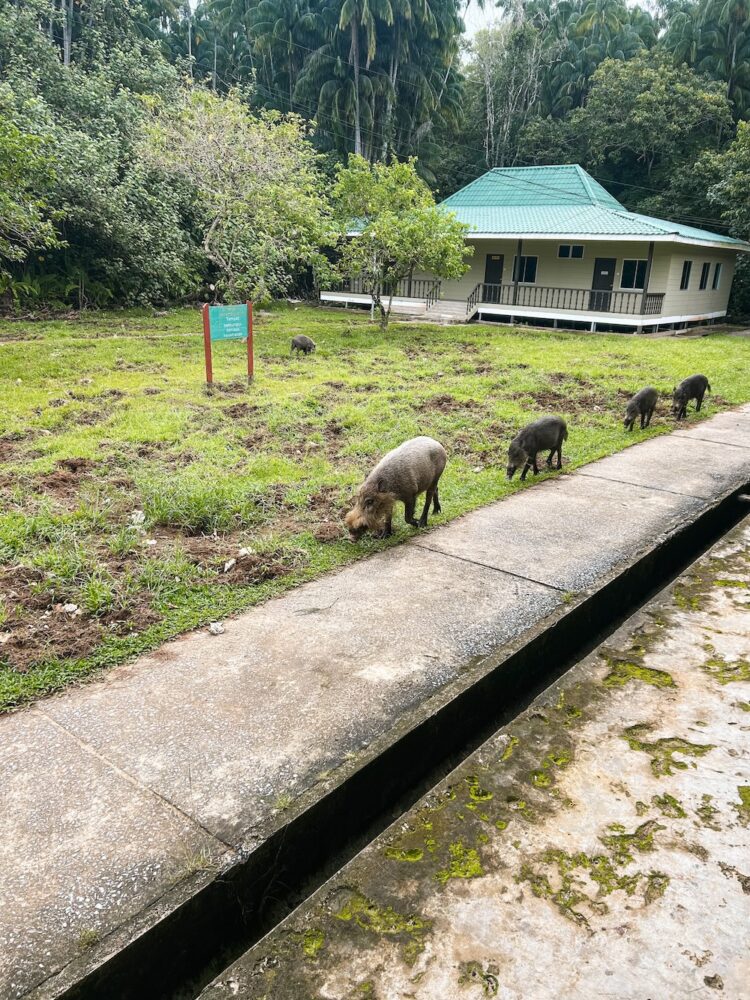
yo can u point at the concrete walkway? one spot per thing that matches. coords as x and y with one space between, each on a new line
121 798
599 846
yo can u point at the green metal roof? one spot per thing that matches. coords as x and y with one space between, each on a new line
561 201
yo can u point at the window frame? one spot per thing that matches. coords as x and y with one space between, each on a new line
525 257
687 273
718 271
705 275
570 255
637 261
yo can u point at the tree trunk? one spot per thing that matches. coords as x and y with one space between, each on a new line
67 27
214 72
355 59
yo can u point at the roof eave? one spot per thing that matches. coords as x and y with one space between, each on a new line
738 246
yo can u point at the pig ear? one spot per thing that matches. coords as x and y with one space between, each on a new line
380 484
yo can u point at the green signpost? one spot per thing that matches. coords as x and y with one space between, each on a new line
227 323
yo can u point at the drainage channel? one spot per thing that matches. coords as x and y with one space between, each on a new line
193 944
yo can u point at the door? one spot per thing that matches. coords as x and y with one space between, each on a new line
493 277
602 284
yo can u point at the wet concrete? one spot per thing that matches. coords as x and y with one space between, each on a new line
207 749
597 847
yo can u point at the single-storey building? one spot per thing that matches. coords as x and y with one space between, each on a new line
550 245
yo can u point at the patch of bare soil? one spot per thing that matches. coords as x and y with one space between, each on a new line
235 388
254 567
445 403
239 410
8 448
151 390
326 500
88 417
38 629
328 531
123 365
65 479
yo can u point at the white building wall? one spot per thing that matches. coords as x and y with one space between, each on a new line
692 301
559 272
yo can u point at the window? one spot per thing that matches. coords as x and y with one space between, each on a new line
524 269
717 276
568 250
633 274
687 266
704 276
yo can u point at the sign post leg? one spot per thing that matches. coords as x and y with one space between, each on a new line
250 360
207 347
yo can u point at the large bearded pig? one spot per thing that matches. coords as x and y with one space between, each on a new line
414 467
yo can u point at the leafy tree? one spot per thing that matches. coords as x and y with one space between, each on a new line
402 230
264 217
644 120
24 169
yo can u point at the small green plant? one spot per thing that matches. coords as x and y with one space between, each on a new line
123 542
87 939
98 594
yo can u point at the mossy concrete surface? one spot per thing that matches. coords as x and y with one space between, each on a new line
209 748
599 846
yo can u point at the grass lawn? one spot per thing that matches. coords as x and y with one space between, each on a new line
127 491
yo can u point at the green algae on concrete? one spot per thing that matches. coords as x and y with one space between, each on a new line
623 671
743 809
396 854
706 812
668 805
385 921
476 792
312 941
727 672
464 863
475 974
621 843
662 751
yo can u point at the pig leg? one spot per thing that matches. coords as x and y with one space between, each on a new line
698 403
525 469
549 457
559 457
436 508
409 506
426 509
536 467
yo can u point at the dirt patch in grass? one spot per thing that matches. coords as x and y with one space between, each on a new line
328 531
256 568
445 403
38 629
65 480
238 410
8 448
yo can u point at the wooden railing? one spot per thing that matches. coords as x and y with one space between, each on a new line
582 299
408 288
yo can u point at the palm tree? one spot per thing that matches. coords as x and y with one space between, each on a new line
362 16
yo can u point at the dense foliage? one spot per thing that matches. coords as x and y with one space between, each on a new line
106 197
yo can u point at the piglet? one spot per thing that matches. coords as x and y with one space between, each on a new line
694 387
641 405
302 343
548 432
